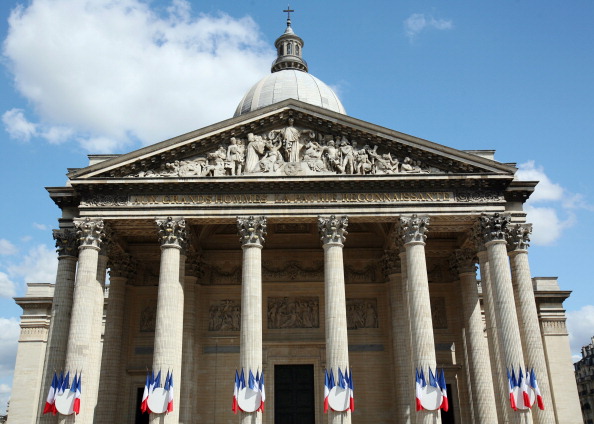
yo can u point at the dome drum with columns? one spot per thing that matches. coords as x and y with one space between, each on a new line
294 240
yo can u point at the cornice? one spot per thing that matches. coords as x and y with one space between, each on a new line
312 116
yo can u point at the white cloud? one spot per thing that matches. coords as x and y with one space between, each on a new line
580 324
17 126
547 225
109 73
5 390
9 335
418 22
7 248
7 286
40 226
38 266
551 207
546 190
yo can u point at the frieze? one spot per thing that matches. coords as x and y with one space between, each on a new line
289 150
292 271
479 196
361 313
192 199
224 315
293 312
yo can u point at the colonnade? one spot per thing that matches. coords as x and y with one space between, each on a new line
510 314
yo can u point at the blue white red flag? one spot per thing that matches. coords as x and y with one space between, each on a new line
524 388
444 391
169 390
341 382
156 382
534 385
420 384
242 380
50 402
512 383
77 386
65 383
145 394
251 381
234 406
262 390
432 379
328 385
349 379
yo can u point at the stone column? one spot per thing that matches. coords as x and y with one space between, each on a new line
170 311
251 231
121 269
189 384
500 384
481 381
55 354
396 274
494 228
84 340
534 355
413 231
333 234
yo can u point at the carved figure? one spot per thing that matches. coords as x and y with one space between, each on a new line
313 156
255 149
235 156
225 316
272 159
348 156
361 313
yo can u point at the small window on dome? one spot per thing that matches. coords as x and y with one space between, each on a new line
290 48
297 49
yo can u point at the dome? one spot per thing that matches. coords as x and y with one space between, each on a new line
289 84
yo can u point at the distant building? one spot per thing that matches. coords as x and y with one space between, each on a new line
584 374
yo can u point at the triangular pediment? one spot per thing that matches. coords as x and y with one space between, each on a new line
291 138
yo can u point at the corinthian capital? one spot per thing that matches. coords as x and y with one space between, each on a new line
172 231
518 236
463 260
413 229
66 242
333 229
493 227
90 232
251 229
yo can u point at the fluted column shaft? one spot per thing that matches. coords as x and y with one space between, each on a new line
477 351
170 312
500 384
188 384
84 340
111 360
400 336
529 326
333 233
413 231
508 329
57 341
252 231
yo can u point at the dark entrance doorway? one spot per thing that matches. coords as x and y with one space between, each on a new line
294 394
448 417
140 417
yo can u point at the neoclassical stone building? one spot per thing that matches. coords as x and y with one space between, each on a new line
293 239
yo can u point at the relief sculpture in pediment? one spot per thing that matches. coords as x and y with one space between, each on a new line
291 151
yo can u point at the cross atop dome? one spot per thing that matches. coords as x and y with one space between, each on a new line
289 47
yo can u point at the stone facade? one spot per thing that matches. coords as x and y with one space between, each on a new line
294 235
584 375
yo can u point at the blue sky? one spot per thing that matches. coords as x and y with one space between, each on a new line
80 76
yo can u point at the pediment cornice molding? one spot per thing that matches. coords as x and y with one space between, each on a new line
324 124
